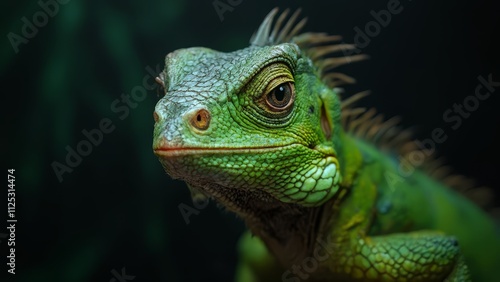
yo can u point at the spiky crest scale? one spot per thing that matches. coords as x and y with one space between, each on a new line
359 121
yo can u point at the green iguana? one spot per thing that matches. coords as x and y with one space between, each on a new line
263 131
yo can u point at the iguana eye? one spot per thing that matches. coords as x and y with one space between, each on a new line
281 97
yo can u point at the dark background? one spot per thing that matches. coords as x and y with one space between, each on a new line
118 208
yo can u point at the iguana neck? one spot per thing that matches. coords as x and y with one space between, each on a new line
290 231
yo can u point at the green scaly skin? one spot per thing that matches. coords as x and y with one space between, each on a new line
323 205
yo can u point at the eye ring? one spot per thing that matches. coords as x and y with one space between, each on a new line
281 97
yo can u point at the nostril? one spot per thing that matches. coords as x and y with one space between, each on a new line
155 116
201 119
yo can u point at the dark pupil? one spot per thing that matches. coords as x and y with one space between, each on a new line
280 93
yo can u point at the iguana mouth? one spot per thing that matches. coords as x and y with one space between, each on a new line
166 151
182 151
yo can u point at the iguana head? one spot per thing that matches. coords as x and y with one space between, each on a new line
259 120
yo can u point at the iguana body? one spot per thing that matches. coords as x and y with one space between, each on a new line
260 130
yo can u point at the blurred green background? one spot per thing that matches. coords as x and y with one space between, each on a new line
117 208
